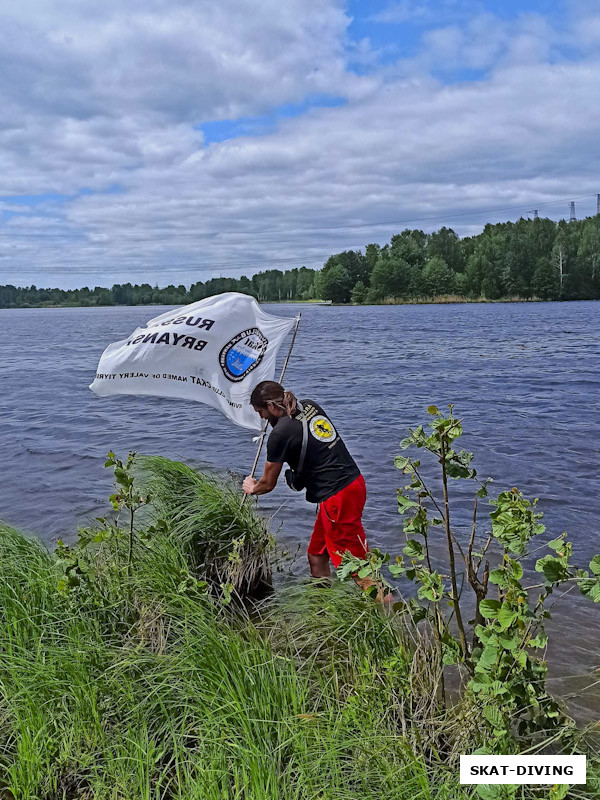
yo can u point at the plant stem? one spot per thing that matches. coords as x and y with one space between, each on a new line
455 600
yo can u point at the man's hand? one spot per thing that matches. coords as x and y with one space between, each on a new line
266 483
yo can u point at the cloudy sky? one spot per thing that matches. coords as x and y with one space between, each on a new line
169 141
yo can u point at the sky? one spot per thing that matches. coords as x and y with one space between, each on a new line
170 141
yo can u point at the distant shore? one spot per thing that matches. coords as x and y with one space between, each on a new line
424 301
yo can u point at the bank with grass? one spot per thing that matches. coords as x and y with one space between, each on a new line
145 660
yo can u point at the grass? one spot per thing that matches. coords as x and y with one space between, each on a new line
223 540
171 696
143 686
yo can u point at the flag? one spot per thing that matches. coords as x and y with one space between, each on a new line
214 351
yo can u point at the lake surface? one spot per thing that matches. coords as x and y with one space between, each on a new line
523 377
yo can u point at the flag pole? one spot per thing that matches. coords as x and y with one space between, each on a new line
264 430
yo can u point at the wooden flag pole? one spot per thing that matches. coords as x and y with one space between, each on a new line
264 430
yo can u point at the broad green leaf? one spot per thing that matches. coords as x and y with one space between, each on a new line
488 658
396 569
496 791
541 640
494 716
401 462
509 642
413 549
458 471
594 593
490 608
595 565
483 679
122 477
506 616
516 569
553 568
499 577
556 544
404 503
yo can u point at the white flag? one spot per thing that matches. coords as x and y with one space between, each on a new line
214 351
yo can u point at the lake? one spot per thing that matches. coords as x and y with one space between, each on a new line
523 377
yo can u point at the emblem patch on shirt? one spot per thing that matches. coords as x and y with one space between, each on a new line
322 429
242 354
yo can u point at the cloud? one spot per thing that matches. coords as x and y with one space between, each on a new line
181 60
105 106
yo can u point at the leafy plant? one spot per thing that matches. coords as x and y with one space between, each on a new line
81 562
501 647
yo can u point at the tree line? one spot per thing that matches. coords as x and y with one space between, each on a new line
527 259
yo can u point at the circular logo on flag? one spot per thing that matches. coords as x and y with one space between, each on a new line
242 354
322 429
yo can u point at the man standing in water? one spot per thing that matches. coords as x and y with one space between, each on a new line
304 437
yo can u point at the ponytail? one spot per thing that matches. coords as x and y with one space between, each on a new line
289 403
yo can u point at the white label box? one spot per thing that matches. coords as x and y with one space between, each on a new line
538 770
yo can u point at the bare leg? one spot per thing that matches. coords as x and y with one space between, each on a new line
319 565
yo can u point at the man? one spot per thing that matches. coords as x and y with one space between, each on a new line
328 472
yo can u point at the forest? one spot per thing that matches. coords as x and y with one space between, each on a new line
531 259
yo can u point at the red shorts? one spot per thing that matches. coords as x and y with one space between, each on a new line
338 527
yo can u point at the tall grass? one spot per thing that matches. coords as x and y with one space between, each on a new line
223 540
138 685
190 700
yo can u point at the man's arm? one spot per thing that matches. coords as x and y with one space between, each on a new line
265 484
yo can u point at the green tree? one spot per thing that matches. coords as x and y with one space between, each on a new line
446 244
409 246
545 282
437 278
305 288
359 293
197 291
391 277
353 261
372 252
334 284
588 258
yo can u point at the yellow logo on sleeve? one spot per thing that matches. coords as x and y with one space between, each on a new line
322 429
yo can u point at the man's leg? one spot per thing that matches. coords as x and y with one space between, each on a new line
319 565
318 557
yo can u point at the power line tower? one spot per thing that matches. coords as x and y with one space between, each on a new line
535 213
572 218
598 205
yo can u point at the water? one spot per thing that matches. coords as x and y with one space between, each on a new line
523 377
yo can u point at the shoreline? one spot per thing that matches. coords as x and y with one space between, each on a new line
432 301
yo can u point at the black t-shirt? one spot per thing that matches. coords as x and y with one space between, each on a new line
328 466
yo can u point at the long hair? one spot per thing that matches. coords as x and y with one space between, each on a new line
273 392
